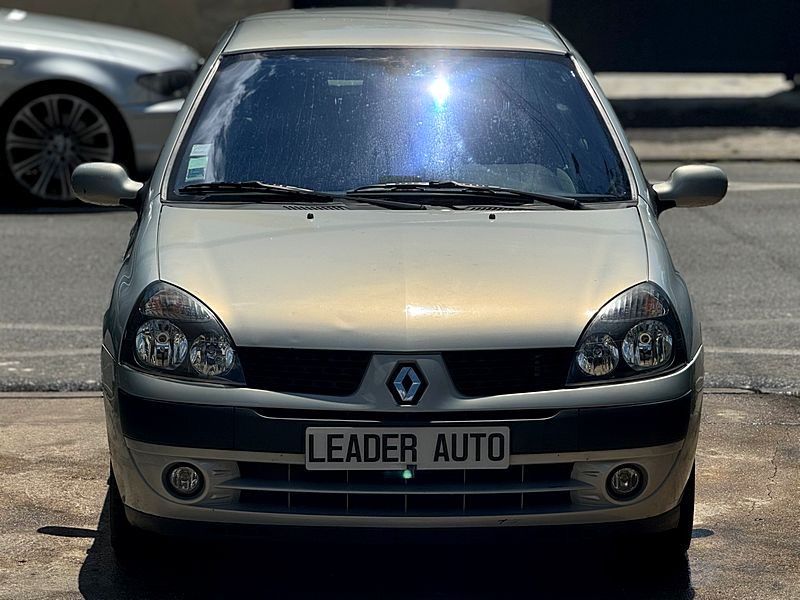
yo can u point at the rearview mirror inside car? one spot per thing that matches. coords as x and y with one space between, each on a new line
691 186
106 184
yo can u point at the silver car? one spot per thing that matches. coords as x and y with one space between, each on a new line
400 270
73 91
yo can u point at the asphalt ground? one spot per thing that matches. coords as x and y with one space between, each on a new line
740 259
54 528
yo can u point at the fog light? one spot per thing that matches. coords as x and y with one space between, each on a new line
184 480
625 482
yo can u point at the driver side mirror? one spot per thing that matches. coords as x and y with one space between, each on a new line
105 184
692 186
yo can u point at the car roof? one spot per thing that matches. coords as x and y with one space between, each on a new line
393 27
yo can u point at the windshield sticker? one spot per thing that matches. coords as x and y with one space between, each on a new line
197 168
198 163
201 149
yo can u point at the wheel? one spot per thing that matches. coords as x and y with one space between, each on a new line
130 545
47 134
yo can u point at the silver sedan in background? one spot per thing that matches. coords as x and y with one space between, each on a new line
73 91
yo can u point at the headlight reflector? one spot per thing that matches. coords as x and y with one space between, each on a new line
160 344
647 345
177 305
598 355
211 355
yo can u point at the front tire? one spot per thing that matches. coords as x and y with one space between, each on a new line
130 545
675 543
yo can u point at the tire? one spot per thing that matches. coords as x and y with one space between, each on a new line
674 544
131 546
46 132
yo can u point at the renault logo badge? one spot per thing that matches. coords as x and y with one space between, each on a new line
407 383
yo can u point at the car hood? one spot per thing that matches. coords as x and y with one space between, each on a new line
73 36
404 281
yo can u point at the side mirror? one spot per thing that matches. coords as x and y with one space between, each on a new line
106 184
692 186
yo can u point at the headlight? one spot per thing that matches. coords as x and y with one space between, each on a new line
173 333
170 84
636 334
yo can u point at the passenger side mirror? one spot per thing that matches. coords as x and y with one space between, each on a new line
692 186
106 184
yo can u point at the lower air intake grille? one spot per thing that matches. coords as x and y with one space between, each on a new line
290 488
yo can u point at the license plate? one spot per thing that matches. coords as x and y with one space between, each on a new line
349 448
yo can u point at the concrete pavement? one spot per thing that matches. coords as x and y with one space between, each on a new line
707 117
54 532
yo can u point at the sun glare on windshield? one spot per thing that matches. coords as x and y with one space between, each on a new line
440 90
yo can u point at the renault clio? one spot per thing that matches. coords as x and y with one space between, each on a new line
399 270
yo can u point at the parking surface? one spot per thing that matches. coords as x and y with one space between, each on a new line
54 531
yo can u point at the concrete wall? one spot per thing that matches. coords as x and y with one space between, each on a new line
199 23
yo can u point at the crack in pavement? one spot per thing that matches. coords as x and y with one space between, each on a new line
774 463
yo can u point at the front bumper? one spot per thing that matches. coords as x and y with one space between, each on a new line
251 454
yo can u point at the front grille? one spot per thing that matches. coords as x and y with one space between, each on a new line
496 372
291 488
340 372
323 372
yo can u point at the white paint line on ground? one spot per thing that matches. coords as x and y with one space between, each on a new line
743 322
755 351
692 85
48 327
51 353
761 186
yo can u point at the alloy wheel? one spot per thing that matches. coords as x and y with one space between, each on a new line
50 136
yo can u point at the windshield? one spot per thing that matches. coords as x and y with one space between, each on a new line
334 120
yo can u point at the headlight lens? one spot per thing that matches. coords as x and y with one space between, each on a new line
172 332
640 326
170 84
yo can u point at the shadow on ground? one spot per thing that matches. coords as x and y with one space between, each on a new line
779 110
189 570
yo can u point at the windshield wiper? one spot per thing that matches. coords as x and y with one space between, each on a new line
500 195
260 188
234 190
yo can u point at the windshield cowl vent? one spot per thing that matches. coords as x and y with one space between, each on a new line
314 207
489 208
